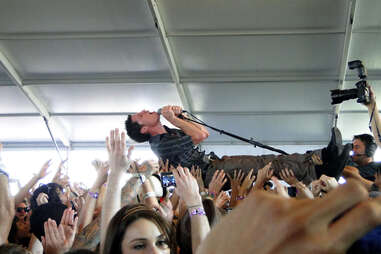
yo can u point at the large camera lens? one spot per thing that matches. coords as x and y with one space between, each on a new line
338 96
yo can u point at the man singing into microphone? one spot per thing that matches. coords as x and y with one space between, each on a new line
179 147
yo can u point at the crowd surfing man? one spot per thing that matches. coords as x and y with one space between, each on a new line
179 147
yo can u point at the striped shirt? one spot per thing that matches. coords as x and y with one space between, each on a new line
178 148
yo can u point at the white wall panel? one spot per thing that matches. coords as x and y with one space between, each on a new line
14 101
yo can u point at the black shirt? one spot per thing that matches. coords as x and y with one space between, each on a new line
178 148
368 171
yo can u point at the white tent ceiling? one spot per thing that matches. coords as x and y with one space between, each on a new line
256 68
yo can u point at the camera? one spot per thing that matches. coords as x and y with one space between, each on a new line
361 92
167 180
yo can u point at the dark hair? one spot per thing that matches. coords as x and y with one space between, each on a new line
51 189
184 231
80 251
11 248
133 131
370 144
43 213
125 217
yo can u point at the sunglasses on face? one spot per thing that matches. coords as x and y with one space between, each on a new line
20 209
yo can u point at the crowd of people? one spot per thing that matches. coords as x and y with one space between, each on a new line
234 204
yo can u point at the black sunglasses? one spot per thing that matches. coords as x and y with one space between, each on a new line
20 209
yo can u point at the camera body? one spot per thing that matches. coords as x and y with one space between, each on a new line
361 92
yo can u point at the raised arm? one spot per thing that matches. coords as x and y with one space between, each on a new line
116 144
7 207
86 214
187 189
24 190
172 113
373 113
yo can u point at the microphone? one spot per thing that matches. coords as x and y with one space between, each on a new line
159 111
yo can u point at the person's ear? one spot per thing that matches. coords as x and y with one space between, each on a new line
144 130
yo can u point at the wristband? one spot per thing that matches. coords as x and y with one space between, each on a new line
198 211
240 198
94 195
212 194
149 195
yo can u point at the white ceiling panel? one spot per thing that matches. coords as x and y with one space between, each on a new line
271 128
72 16
91 128
23 129
14 101
133 56
352 124
182 15
107 98
367 48
367 14
248 54
279 96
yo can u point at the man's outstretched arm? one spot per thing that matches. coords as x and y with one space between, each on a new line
171 113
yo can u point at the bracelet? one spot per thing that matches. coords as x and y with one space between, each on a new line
149 195
2 172
212 194
198 211
240 198
94 195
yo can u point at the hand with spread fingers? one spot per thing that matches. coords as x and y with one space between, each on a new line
60 239
215 185
264 174
196 172
377 180
288 176
283 225
235 183
116 145
221 200
247 183
186 187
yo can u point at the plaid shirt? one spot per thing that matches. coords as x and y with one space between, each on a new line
178 148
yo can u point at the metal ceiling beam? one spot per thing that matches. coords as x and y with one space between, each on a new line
214 113
97 80
269 32
77 35
169 54
55 126
345 54
225 78
96 145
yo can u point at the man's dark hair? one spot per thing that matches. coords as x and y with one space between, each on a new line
370 144
42 213
51 189
133 131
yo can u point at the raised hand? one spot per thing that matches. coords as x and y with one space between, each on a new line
280 189
264 174
196 172
247 183
60 239
186 187
288 176
44 170
116 145
215 185
221 199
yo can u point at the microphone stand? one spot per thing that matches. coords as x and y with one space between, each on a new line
250 141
